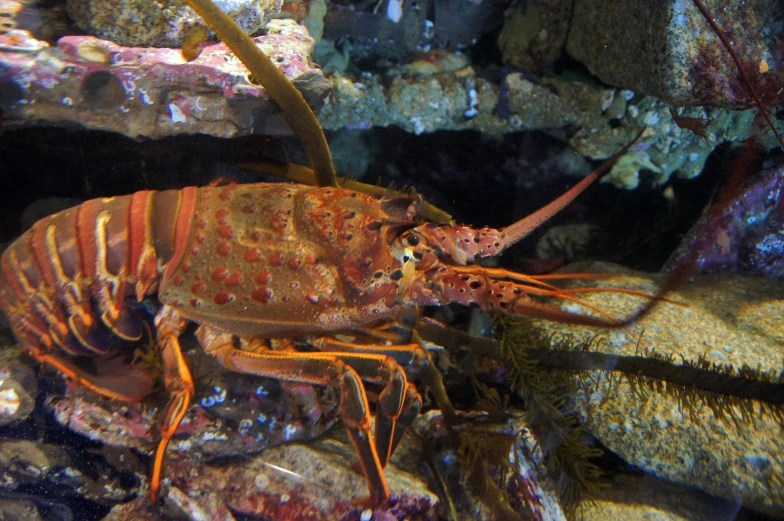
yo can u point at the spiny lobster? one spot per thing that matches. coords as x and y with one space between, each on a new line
256 267
255 262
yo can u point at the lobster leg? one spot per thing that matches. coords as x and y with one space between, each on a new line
318 369
399 403
179 383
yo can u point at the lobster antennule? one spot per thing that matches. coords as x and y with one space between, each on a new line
513 294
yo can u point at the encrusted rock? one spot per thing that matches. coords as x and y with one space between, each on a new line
234 414
319 481
667 49
633 498
534 33
725 446
605 119
25 464
750 232
163 23
148 91
17 510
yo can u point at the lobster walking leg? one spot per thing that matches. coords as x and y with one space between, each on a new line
396 411
318 369
179 383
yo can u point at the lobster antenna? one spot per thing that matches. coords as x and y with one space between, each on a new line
516 231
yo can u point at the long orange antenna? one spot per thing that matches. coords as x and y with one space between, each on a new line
516 231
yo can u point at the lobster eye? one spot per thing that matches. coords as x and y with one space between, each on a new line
412 240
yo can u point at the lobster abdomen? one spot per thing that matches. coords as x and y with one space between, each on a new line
63 282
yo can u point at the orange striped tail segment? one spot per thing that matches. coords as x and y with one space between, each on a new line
64 282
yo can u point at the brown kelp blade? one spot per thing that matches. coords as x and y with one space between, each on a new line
293 105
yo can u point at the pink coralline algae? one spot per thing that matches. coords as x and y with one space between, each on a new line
150 92
748 236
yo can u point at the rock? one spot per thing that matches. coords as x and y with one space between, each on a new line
25 464
632 498
18 385
668 50
318 481
728 448
393 33
140 23
534 33
571 241
231 415
750 232
151 92
18 510
605 119
460 24
665 149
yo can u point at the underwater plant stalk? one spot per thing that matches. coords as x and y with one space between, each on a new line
295 109
745 384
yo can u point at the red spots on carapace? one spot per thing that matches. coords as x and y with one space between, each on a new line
276 259
311 259
177 280
195 302
223 297
186 266
235 279
263 277
199 238
198 287
225 194
250 208
261 295
202 224
219 274
294 262
256 236
220 215
224 230
280 219
223 248
252 255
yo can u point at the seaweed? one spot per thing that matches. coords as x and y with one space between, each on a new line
540 370
293 106
564 442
